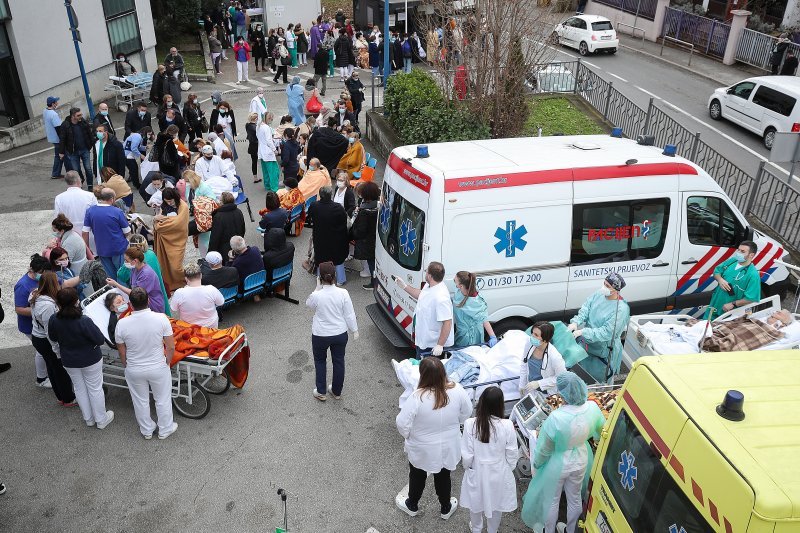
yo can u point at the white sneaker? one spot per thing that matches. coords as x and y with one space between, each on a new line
109 419
365 274
148 437
172 430
330 391
561 527
453 507
89 423
318 396
400 502
44 384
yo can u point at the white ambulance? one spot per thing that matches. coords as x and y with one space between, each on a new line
542 221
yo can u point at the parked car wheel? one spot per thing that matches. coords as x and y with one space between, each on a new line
583 49
715 110
769 137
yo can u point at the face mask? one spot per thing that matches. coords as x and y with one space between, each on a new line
168 120
128 265
56 234
209 156
342 110
535 342
169 103
62 262
104 113
261 95
605 291
738 256
223 112
340 184
122 308
351 140
37 276
142 113
100 135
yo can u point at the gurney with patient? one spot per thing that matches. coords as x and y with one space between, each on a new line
206 360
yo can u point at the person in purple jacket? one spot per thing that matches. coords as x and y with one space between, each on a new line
141 276
316 37
245 259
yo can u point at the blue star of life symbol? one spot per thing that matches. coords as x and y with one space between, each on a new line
408 237
386 217
511 238
628 472
674 529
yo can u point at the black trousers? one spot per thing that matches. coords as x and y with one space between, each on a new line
133 172
282 69
59 379
416 485
254 163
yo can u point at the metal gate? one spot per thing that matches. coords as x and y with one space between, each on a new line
708 36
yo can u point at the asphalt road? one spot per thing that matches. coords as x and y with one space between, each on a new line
342 462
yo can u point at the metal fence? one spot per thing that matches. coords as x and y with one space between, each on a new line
709 36
755 48
767 196
645 9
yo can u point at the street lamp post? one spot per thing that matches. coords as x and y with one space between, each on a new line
76 39
387 67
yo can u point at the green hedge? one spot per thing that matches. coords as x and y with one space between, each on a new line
419 112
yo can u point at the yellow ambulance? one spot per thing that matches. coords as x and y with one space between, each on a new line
701 443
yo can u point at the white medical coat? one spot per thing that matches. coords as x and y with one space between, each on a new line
489 485
552 366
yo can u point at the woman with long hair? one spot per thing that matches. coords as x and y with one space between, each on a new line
70 241
489 454
79 341
171 231
470 312
541 361
429 422
202 202
43 306
67 276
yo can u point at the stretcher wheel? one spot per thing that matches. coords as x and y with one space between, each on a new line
216 384
200 405
524 467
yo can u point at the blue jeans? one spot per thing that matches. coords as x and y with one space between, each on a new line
111 265
85 157
58 163
376 71
406 64
341 275
319 347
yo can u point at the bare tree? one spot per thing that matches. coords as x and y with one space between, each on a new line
487 53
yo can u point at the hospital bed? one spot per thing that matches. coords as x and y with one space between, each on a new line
664 334
193 378
129 89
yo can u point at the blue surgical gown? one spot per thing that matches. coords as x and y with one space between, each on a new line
294 94
596 319
469 319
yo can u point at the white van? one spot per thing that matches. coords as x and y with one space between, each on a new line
543 220
763 105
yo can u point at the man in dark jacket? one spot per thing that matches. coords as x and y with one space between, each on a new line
173 117
364 224
778 51
396 48
277 251
108 152
345 56
215 274
102 117
343 115
174 60
330 238
327 145
356 90
137 118
789 64
76 144
226 222
321 68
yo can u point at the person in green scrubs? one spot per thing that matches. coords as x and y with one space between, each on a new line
738 281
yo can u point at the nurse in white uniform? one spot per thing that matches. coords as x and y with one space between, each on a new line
489 454
542 362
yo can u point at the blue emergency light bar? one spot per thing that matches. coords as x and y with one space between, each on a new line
616 132
422 151
670 150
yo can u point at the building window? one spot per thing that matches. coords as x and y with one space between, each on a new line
123 26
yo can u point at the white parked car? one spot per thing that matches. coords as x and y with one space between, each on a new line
587 33
763 105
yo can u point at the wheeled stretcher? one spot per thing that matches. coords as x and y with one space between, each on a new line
129 89
193 378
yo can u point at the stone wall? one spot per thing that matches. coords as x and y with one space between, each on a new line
380 134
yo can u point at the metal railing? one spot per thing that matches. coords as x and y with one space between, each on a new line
633 30
755 48
710 36
645 9
376 89
684 44
767 195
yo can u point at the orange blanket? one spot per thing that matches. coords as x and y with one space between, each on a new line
191 339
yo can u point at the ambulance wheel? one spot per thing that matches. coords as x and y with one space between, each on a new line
524 467
201 403
216 384
508 324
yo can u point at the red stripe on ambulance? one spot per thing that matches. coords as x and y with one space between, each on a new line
708 273
557 175
698 492
659 443
410 174
677 467
697 266
762 253
714 513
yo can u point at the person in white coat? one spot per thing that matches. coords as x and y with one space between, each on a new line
258 105
542 362
430 424
489 453
270 169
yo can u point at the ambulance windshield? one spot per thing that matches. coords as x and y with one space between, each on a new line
400 227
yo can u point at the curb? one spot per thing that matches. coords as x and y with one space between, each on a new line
674 64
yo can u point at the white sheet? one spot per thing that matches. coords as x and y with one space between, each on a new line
501 362
687 339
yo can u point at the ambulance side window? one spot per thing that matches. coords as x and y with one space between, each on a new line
710 222
401 226
627 230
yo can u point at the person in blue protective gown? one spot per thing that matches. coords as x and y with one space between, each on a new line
470 312
600 322
562 458
739 281
294 95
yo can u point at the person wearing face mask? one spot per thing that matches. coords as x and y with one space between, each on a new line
343 194
270 169
209 165
193 116
470 314
290 149
102 117
158 84
296 101
602 319
139 242
172 117
123 66
258 105
70 241
167 102
258 45
542 362
67 277
117 308
343 115
22 291
242 52
356 90
738 281
353 160
141 276
109 226
433 315
224 115
135 146
137 118
108 152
